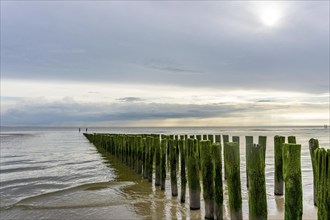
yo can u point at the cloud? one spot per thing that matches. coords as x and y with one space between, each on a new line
201 44
68 112
130 99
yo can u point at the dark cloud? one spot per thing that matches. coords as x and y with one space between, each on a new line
130 99
67 111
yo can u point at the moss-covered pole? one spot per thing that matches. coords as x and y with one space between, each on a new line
208 179
163 164
218 138
225 140
157 161
148 164
236 139
292 140
218 190
140 152
151 157
183 170
292 179
322 160
313 145
328 186
257 184
204 137
278 174
145 157
210 137
248 147
232 161
193 177
174 185
199 137
262 141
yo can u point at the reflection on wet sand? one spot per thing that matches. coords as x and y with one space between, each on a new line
150 202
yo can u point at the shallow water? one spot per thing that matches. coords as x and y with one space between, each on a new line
55 173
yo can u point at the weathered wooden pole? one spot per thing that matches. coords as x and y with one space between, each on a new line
193 176
313 145
262 141
248 147
257 184
322 160
292 140
225 139
292 179
218 190
151 157
157 161
183 170
174 185
208 178
232 161
210 137
218 138
163 164
145 157
236 139
140 152
278 174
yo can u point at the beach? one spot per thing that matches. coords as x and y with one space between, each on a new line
55 173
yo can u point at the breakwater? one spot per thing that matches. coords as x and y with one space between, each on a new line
204 184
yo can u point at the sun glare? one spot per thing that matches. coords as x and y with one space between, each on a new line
270 14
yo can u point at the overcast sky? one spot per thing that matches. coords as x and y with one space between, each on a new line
152 63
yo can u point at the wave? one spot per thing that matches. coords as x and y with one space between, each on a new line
80 196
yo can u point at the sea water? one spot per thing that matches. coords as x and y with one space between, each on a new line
55 173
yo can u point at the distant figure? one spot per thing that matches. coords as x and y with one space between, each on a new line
79 129
86 129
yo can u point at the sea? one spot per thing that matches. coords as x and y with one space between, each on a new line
55 173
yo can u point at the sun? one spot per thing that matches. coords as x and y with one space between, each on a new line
270 14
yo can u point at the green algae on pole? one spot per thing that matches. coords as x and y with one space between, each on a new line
145 157
232 161
157 162
225 140
174 185
278 174
183 170
149 158
262 141
248 146
208 179
193 177
210 138
322 160
292 178
204 137
218 138
257 184
139 154
313 145
218 190
292 140
163 164
236 139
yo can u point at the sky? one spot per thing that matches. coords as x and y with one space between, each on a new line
165 63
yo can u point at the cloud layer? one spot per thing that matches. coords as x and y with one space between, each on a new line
164 63
194 44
